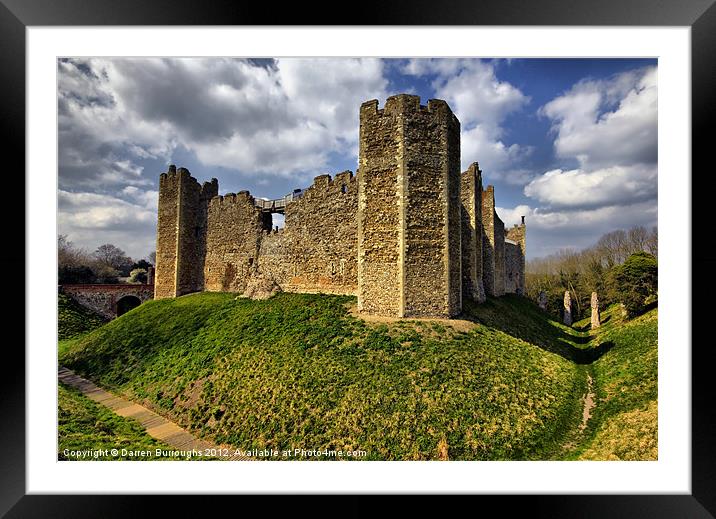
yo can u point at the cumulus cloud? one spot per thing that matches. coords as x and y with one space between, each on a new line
607 122
609 128
131 224
616 185
277 118
482 103
551 230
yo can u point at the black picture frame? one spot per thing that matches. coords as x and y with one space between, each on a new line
700 15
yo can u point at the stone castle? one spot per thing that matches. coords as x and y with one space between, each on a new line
409 234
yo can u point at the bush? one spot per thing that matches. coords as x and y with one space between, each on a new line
138 276
634 283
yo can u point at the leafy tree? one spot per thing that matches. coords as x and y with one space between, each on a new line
586 271
634 281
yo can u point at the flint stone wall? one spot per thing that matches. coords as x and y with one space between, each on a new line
407 234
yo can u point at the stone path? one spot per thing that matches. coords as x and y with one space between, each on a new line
155 425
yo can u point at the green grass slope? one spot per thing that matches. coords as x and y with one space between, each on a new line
624 422
86 426
298 371
73 319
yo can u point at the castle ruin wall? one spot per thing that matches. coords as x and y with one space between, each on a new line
234 231
316 251
515 259
488 240
471 210
408 234
499 244
409 209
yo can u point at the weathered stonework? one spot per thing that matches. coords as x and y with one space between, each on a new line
595 321
106 299
181 232
318 250
408 234
471 198
515 250
233 238
542 300
567 318
409 209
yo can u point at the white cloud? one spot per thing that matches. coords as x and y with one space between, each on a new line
496 159
481 102
616 185
551 230
276 120
84 217
146 198
609 127
607 122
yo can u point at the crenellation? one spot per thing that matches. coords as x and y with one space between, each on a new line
408 234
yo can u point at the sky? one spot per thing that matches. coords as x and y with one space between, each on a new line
571 144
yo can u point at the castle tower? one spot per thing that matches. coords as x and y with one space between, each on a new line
181 233
409 219
488 239
471 199
518 235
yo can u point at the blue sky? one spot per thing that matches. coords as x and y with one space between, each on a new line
569 143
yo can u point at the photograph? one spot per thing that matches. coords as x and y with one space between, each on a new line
303 259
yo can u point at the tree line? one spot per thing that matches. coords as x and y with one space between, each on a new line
620 267
107 264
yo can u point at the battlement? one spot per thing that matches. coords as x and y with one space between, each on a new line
408 233
326 182
210 189
232 198
174 174
407 104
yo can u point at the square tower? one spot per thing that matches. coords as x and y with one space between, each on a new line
409 211
181 233
471 198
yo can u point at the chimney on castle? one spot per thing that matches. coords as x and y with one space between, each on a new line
523 220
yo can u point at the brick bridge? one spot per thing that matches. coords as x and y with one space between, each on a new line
109 301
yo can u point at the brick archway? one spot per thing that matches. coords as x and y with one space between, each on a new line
104 299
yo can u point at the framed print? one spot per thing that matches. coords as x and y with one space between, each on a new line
417 308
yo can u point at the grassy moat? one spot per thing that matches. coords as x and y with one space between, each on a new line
299 371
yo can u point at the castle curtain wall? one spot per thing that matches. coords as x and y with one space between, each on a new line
316 251
408 234
234 231
471 201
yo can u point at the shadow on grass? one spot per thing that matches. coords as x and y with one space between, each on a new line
536 327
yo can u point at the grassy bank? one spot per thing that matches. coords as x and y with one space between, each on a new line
298 371
624 422
73 319
84 426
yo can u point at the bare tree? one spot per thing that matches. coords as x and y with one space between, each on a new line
109 255
652 242
637 237
69 255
